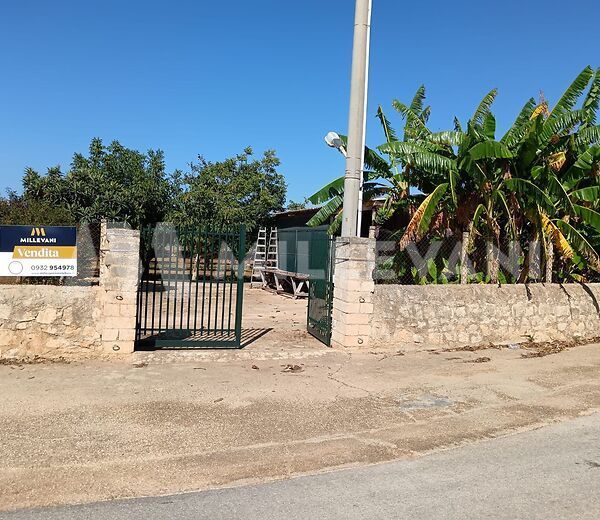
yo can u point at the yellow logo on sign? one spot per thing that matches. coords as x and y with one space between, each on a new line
38 232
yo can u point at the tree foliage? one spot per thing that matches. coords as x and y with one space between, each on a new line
238 190
113 182
16 209
293 205
116 183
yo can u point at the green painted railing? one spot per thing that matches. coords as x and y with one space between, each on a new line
191 288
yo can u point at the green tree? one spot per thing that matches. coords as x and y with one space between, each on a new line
18 210
225 194
113 182
293 205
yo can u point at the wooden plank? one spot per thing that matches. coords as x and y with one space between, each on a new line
299 276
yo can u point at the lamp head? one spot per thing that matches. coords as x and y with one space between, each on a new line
333 140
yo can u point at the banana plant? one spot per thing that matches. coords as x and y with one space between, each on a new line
389 179
541 162
331 196
540 179
468 167
557 153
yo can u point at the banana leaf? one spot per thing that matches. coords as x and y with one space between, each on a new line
421 220
581 244
490 150
573 93
589 216
589 194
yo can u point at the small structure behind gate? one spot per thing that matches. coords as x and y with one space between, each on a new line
191 289
311 251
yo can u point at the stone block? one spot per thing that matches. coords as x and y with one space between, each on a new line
68 315
47 316
354 268
562 310
110 334
352 329
4 311
125 272
120 297
121 322
119 284
353 307
339 340
350 285
52 330
126 334
118 347
127 310
356 318
6 338
112 310
352 296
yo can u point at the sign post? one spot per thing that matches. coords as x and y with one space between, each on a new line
38 251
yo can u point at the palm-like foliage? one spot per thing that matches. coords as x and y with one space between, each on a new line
540 179
544 171
331 196
381 178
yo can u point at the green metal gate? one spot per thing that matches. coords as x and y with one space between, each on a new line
320 289
191 288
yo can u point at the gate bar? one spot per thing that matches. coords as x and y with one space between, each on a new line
240 285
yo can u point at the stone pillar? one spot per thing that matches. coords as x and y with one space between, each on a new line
119 274
353 292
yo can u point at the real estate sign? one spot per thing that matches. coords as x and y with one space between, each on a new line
38 251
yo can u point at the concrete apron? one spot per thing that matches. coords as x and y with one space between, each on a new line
80 433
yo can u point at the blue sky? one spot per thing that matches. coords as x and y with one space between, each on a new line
211 77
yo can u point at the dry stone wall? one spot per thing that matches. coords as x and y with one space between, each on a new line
49 321
456 315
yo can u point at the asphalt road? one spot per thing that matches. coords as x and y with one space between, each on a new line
550 473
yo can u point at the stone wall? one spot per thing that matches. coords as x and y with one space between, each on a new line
76 322
424 316
453 315
49 321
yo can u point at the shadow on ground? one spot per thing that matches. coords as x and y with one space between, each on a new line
249 336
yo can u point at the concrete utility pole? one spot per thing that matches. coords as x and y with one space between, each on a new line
357 120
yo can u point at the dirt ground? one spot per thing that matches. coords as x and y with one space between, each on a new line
284 405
